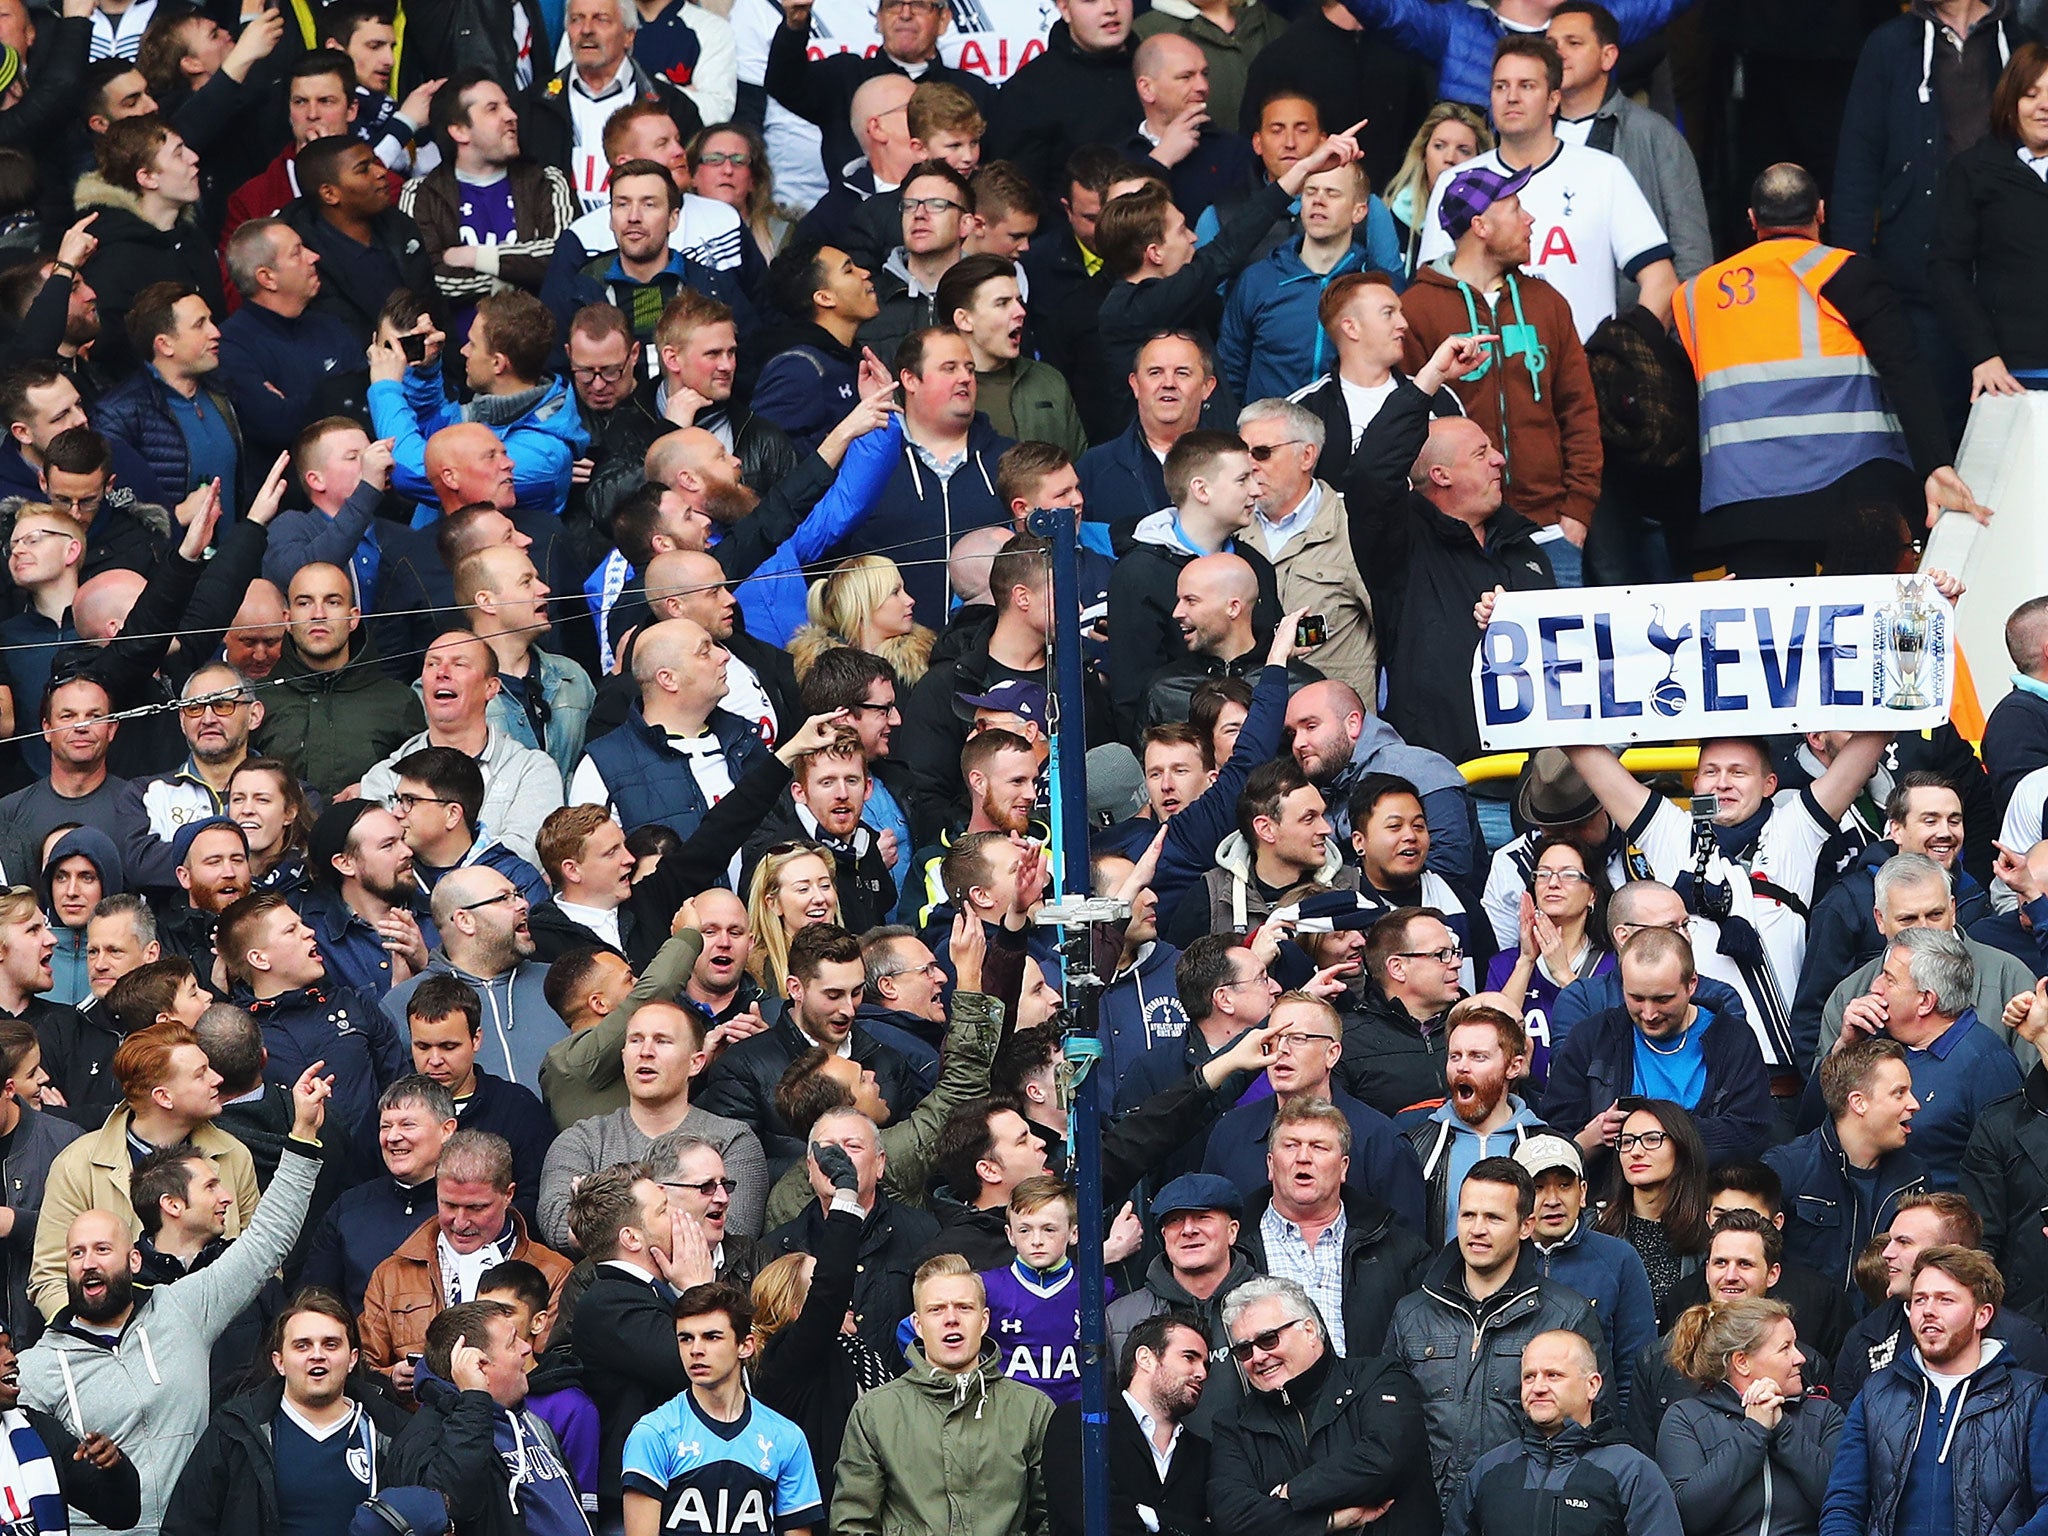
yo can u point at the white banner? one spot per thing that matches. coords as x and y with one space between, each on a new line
1720 658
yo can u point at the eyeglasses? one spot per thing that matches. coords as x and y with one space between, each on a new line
1452 956
706 1189
611 373
1560 877
880 709
492 901
402 804
931 205
220 709
930 968
1285 1044
1266 450
1259 980
29 540
913 6
1262 1343
739 159
1649 1141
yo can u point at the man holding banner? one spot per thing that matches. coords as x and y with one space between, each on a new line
1727 664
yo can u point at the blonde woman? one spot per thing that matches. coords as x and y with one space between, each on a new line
1450 135
1750 1455
792 888
863 604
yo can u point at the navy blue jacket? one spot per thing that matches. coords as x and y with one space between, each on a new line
504 1108
920 516
131 470
1610 1274
2015 742
648 780
135 412
364 1228
1383 1165
1893 148
1842 935
1140 1009
1121 480
1997 1453
1597 1065
1820 1201
354 951
341 1027
1598 993
274 369
1874 1342
808 384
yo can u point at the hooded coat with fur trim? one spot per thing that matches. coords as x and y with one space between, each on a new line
132 254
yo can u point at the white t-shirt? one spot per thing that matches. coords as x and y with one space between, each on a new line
1592 224
1787 856
1362 402
745 697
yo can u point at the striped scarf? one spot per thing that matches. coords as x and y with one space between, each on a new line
32 1491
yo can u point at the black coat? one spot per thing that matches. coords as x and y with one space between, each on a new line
2005 1179
1656 1384
1143 588
1180 1503
1425 571
804 1373
229 1486
1715 1457
2015 742
1874 1343
892 1243
867 891
626 1338
1059 101
355 306
1390 1061
820 91
1820 1308
1348 74
132 254
451 1445
741 1084
112 1497
1346 1432
1382 1262
1991 218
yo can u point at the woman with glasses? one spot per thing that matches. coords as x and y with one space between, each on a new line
266 801
1751 1454
729 164
792 888
1563 937
1656 1194
863 604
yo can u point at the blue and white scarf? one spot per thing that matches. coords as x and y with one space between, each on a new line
31 1491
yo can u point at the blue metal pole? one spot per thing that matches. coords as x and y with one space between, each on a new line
1059 526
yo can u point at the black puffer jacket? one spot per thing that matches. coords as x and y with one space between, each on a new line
229 1487
1345 1432
1467 1355
1732 1477
136 411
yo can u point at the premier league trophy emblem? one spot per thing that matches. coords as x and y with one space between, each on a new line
1907 630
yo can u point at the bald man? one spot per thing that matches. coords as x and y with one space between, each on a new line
879 138
679 753
760 680
468 463
1430 543
694 499
255 641
543 699
1185 133
330 713
458 680
1213 601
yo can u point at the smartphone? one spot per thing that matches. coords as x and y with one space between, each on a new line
414 345
1310 630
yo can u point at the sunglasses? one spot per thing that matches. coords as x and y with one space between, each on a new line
220 709
704 1190
1262 1343
1266 451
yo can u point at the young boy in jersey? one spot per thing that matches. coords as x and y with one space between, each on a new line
712 1460
554 1385
1034 1305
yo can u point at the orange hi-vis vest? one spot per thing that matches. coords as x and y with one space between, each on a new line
1789 401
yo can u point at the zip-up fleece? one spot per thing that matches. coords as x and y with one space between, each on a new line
149 1390
1467 1355
1578 1482
1236 904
